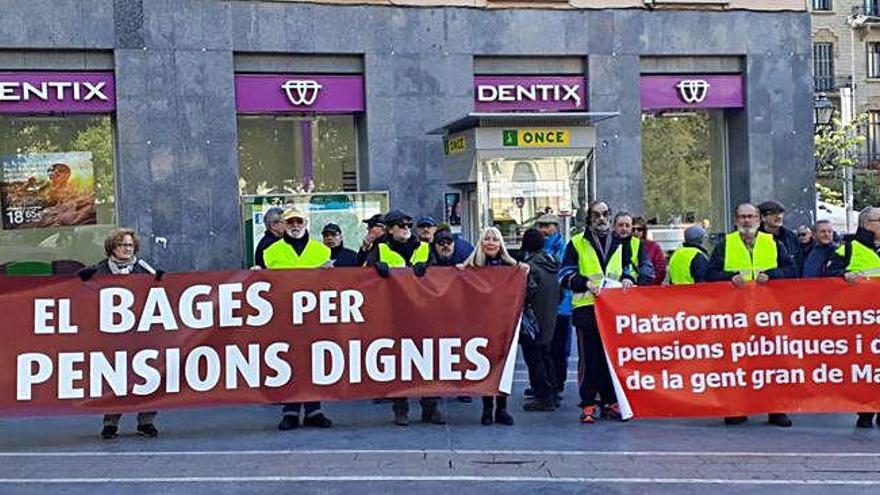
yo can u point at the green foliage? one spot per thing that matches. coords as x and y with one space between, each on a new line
677 166
836 147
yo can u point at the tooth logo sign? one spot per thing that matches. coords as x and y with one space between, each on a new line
301 92
693 91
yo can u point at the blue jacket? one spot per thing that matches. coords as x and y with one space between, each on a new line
554 245
817 259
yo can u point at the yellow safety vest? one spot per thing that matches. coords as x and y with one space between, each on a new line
281 255
862 259
762 258
680 265
590 267
394 260
635 243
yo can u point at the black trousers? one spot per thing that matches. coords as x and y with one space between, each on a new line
560 350
427 403
540 365
310 408
593 373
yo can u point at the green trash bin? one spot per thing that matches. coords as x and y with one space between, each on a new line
29 268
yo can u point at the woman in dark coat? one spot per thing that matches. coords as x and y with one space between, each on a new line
121 248
542 296
490 251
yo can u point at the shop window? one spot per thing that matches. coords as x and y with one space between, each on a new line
874 60
823 66
296 154
685 179
57 190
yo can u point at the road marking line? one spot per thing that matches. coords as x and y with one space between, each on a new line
479 479
573 453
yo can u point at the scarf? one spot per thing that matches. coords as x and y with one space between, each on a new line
119 267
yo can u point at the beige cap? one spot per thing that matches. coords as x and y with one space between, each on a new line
292 213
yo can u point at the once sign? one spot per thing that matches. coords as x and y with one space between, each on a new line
536 138
455 144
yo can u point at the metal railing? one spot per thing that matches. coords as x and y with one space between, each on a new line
830 84
870 11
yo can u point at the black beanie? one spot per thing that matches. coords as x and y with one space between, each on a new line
533 241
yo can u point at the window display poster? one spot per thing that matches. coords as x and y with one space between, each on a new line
39 190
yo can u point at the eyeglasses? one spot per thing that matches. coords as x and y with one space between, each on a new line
598 214
803 234
444 243
125 244
295 221
403 225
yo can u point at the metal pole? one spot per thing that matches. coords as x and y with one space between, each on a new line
846 118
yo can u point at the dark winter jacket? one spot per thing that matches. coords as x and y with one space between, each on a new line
343 256
792 245
103 268
542 293
816 259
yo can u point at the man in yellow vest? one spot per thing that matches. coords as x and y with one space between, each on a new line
747 255
594 259
634 249
859 259
297 251
399 248
689 263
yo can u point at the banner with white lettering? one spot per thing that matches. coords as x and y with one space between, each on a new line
129 343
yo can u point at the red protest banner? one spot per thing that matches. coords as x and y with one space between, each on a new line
195 339
715 350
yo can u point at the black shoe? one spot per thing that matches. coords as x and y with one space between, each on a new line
486 418
557 401
779 419
111 432
529 392
537 405
433 416
147 430
465 399
503 417
401 418
735 420
318 421
864 421
288 422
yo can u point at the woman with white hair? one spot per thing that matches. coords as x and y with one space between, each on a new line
491 251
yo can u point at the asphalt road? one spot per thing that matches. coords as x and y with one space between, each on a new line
239 450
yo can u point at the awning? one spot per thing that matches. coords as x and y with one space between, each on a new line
477 119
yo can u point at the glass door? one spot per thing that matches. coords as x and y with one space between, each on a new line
515 192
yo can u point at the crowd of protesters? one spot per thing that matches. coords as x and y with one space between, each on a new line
564 279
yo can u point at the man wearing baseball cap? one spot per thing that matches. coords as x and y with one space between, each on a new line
341 255
400 249
772 215
426 227
375 232
297 251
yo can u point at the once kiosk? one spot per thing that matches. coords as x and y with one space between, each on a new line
511 168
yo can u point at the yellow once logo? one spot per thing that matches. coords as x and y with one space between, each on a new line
536 138
455 144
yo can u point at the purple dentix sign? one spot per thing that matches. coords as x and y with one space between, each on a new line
691 91
529 93
279 93
57 92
